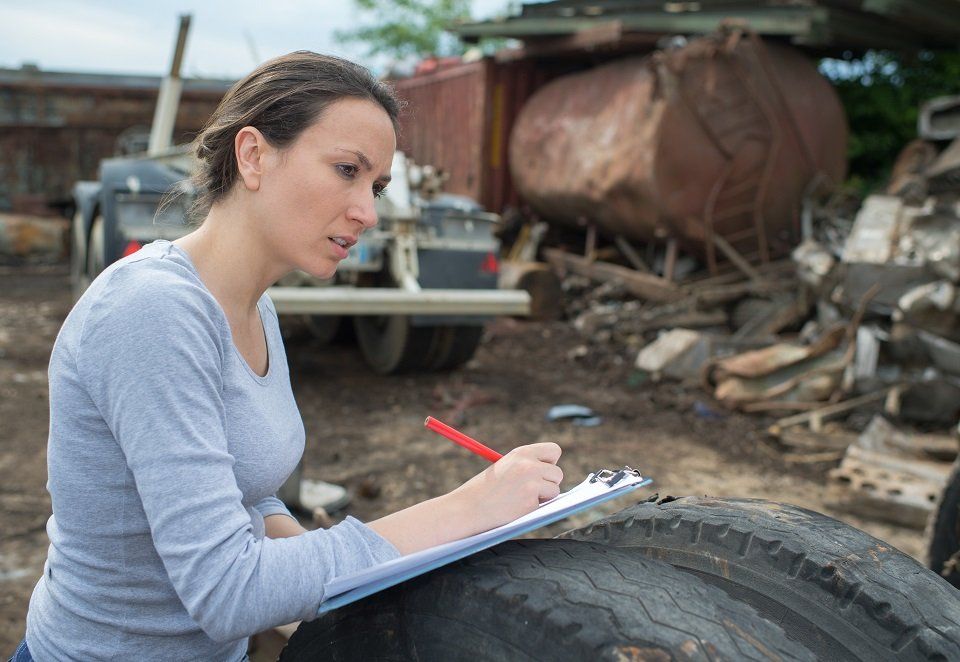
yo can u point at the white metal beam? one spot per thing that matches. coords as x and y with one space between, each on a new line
345 300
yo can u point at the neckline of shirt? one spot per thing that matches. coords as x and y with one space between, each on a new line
271 354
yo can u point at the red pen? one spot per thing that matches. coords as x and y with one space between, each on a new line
458 437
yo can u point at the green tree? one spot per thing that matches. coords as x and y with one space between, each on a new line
881 93
408 28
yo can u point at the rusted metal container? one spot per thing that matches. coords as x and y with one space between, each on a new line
444 121
722 136
459 118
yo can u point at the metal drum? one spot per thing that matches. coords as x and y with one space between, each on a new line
721 136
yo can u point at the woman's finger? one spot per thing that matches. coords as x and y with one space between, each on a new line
546 451
553 474
548 490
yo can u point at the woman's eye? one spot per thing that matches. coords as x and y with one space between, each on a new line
379 190
347 170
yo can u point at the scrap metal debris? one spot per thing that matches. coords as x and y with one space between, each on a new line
578 414
862 320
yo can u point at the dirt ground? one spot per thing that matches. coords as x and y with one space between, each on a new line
366 432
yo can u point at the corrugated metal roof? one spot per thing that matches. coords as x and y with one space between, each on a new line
32 76
816 24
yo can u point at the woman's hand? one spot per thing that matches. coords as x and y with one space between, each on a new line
513 486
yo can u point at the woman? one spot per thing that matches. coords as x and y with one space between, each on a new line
172 422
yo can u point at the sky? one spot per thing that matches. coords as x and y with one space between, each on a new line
226 40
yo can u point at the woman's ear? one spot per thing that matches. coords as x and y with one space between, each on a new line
250 148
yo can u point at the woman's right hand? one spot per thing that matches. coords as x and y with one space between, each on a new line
513 486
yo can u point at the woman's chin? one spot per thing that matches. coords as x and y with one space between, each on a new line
323 271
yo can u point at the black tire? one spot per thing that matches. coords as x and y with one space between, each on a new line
324 329
837 590
96 250
554 600
391 345
943 531
79 280
452 346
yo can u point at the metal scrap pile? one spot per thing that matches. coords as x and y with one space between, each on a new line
855 340
675 327
899 268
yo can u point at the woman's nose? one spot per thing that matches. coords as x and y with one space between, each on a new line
364 212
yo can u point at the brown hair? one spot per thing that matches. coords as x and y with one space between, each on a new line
280 98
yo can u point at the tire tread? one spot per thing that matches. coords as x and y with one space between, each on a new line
563 600
897 608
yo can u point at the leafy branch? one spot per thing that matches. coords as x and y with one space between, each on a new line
408 28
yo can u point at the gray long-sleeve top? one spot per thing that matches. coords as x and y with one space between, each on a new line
164 454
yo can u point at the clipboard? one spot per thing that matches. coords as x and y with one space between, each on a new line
598 487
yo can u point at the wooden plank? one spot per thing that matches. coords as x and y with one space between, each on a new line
670 260
631 254
797 437
686 319
717 294
818 416
812 458
736 258
643 286
779 405
591 245
729 274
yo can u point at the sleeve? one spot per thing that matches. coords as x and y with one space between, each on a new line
271 505
151 359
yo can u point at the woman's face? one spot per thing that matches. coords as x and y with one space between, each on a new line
316 196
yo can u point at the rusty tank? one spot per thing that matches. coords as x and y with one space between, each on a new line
720 137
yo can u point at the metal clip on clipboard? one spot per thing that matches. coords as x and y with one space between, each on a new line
611 478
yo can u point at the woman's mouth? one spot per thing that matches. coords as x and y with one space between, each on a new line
341 245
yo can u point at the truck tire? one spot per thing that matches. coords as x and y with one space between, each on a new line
324 328
833 588
943 531
96 249
390 344
79 280
452 346
556 600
